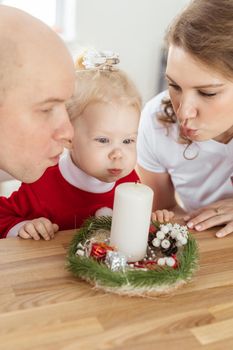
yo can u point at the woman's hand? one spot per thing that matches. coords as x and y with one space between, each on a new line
216 214
162 215
37 229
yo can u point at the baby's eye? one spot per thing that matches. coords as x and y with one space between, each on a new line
102 139
128 141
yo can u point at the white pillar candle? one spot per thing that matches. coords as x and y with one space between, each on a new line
131 219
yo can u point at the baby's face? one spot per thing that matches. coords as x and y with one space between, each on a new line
104 144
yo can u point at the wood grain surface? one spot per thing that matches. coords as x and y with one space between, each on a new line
42 306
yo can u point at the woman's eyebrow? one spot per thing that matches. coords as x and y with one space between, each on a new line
199 86
208 86
173 81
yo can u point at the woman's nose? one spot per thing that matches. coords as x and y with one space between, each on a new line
115 154
186 110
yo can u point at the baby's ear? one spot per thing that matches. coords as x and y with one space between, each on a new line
68 144
105 211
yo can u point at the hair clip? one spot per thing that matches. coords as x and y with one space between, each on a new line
102 60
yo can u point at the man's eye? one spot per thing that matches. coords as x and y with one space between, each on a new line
102 139
128 141
47 110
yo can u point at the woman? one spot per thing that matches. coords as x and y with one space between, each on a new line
185 143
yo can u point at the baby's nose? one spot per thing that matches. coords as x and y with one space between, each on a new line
115 154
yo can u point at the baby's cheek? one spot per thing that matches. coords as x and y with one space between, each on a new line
133 158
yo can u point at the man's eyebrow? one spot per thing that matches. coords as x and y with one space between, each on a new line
50 100
198 86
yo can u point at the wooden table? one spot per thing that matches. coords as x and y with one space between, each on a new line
43 307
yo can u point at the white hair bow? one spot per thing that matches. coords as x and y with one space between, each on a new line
103 60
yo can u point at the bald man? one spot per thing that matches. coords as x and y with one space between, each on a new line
36 78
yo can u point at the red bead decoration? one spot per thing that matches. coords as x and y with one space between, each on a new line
175 258
152 229
147 264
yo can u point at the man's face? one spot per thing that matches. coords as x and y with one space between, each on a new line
34 125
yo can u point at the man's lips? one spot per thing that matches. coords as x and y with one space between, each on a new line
114 171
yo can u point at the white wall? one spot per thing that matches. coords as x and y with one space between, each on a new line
133 28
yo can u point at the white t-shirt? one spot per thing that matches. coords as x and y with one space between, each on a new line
200 181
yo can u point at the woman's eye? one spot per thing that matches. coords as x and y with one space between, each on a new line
206 94
174 86
128 141
102 139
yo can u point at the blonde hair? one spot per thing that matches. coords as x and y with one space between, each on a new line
97 85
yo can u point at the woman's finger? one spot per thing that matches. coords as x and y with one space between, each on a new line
202 217
226 230
211 222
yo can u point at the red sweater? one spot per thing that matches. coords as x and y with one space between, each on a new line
54 198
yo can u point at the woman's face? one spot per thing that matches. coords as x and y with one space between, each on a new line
201 97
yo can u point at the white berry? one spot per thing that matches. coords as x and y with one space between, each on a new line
156 242
179 236
184 241
160 235
165 243
174 233
170 261
161 261
164 229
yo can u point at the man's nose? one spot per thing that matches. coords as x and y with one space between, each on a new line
65 131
